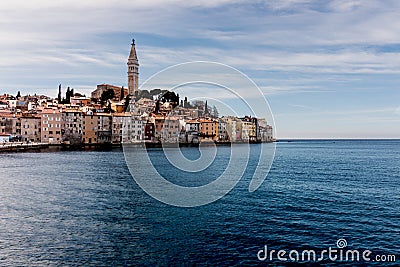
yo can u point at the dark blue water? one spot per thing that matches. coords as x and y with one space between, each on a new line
81 208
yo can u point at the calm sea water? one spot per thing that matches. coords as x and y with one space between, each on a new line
82 208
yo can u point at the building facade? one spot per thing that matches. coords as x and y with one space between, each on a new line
31 129
51 125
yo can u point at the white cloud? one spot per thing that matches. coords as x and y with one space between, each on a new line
397 111
345 5
286 4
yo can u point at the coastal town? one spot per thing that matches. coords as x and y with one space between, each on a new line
118 115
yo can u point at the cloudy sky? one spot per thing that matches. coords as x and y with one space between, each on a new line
329 69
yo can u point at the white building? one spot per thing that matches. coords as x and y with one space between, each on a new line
132 129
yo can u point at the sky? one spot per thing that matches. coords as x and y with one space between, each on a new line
328 69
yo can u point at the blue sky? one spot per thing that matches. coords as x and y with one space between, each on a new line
329 69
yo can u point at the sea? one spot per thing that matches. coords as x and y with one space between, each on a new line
84 208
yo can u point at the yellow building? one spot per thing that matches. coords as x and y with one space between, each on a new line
208 130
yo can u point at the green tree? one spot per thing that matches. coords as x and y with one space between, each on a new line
127 100
107 95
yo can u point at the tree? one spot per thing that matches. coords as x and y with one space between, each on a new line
59 94
121 97
106 95
198 104
68 96
155 91
170 97
18 95
157 109
127 100
215 112
145 94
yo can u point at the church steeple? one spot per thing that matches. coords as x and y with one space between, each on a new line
133 55
133 71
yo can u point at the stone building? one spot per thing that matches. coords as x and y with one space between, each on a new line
104 127
104 87
51 125
119 121
133 71
31 129
72 126
89 128
208 130
10 124
133 129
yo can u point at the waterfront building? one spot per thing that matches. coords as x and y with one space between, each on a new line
265 134
192 126
89 128
72 126
51 126
238 130
31 128
149 131
132 128
170 130
4 138
104 128
208 130
158 121
231 128
10 124
223 134
249 129
120 125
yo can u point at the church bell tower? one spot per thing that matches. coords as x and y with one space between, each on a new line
133 71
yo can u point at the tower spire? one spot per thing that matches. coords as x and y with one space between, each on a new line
133 55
